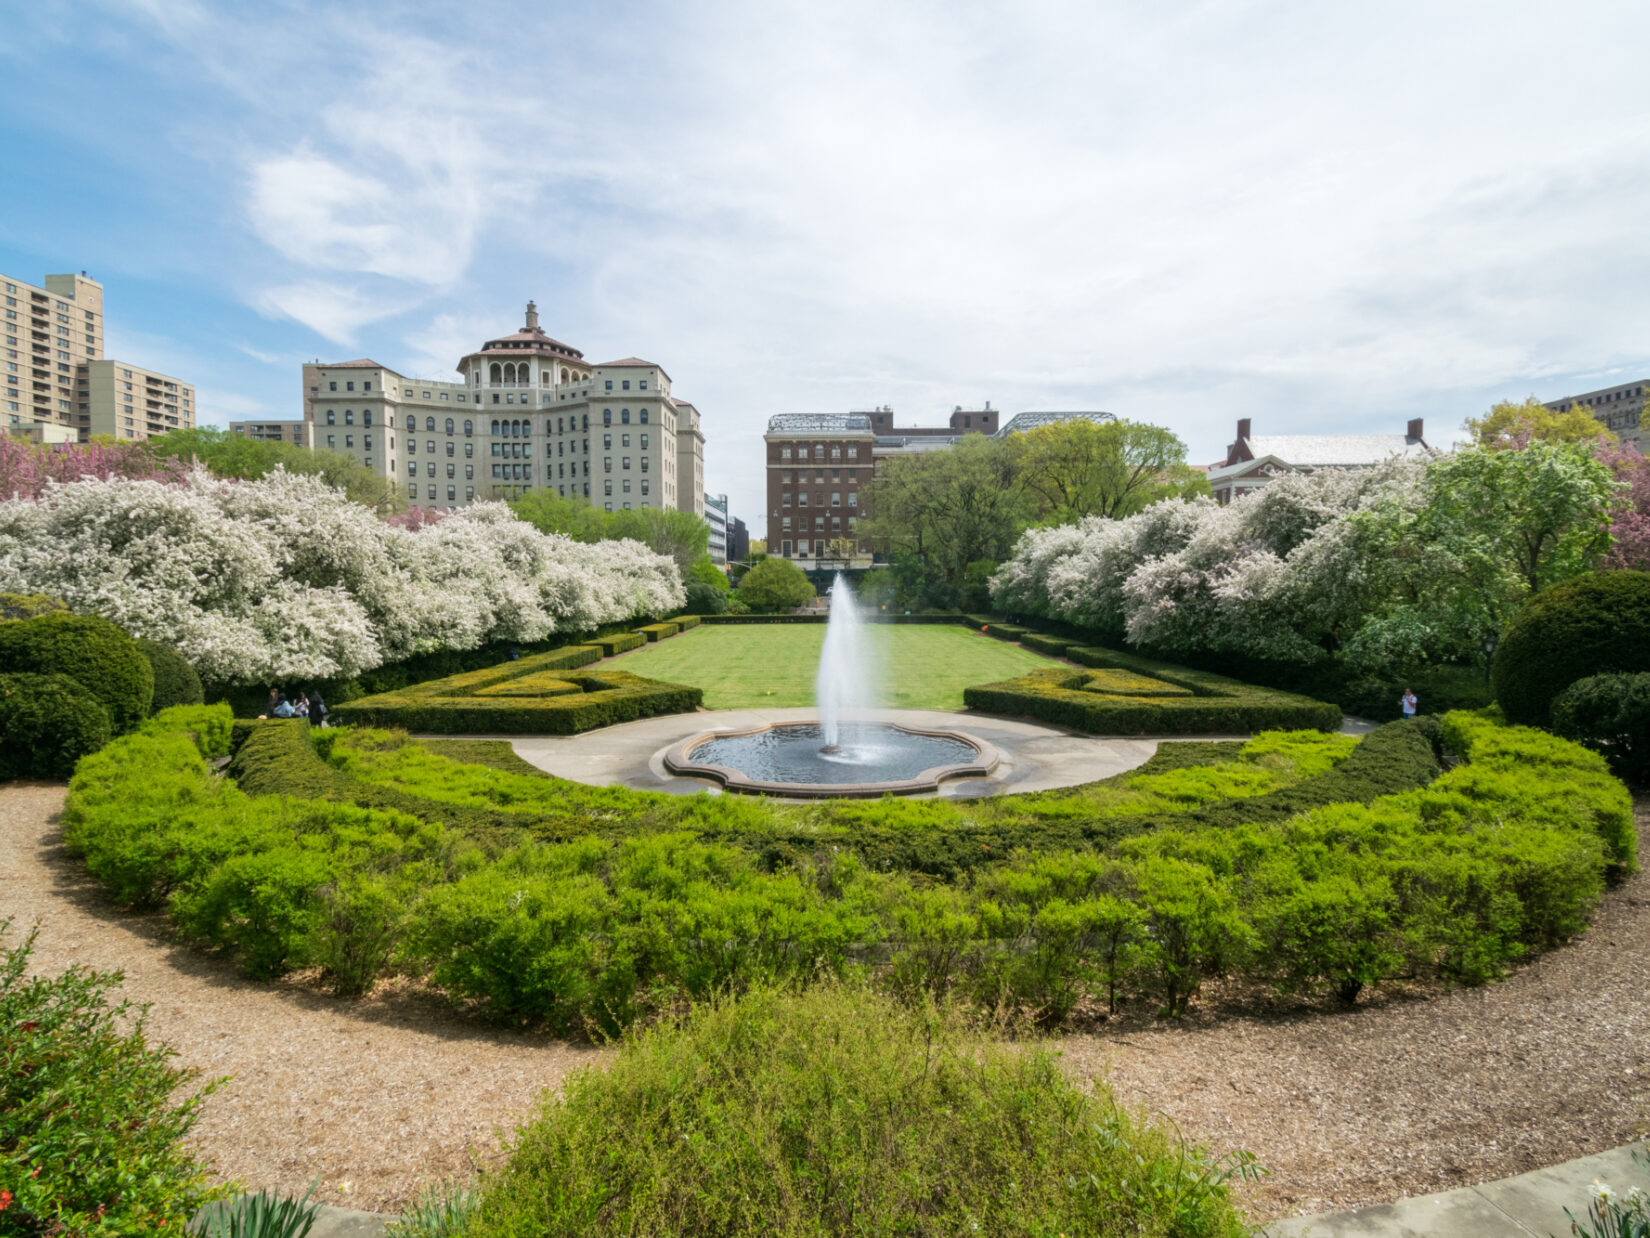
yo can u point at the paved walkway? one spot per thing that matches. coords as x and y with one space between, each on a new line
1529 1206
1034 757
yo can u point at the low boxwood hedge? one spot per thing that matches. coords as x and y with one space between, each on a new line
1208 704
641 903
541 695
623 642
1054 646
685 622
661 631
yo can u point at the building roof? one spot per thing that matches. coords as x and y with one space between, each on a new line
363 364
819 423
1021 422
632 361
1329 450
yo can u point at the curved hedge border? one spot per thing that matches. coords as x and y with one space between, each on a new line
562 703
1457 879
1099 705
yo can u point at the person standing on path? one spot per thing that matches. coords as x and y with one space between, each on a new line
317 708
1410 703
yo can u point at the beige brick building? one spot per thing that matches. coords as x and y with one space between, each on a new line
56 373
528 412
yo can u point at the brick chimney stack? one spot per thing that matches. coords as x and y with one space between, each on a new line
1414 430
1243 428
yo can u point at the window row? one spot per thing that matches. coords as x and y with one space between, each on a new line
800 451
819 498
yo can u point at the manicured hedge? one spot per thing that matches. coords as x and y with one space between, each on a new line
1611 715
176 682
1593 625
624 642
1084 702
1054 646
661 631
47 723
93 652
646 905
685 622
540 695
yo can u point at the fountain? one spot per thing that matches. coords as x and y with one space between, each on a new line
846 752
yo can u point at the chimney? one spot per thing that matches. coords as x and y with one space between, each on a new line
1243 428
1414 430
532 317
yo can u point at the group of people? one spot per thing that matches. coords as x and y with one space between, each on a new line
307 703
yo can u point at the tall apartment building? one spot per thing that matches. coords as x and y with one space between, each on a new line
1619 409
820 467
528 412
57 373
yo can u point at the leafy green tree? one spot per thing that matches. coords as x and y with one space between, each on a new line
937 512
681 535
1510 424
1080 468
234 455
775 584
706 572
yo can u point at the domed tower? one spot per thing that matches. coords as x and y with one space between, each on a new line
523 368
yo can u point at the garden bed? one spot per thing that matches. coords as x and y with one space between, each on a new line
1130 695
541 695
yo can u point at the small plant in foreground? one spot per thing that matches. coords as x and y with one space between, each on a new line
438 1212
263 1215
90 1132
1612 1215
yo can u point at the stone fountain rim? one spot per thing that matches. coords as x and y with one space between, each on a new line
679 761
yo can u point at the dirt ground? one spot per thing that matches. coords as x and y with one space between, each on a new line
1411 1094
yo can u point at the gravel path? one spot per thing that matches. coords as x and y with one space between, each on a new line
374 1097
1420 1093
1415 1094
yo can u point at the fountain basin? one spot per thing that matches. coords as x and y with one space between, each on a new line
872 759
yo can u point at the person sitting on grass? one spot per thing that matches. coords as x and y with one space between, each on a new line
283 708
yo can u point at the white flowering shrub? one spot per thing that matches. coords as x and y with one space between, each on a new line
284 576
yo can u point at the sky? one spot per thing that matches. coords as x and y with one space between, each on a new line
1322 217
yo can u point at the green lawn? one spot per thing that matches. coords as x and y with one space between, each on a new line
744 665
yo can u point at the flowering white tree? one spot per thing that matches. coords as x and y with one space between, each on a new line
1408 562
285 576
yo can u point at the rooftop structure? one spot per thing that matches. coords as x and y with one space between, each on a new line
1253 460
1619 409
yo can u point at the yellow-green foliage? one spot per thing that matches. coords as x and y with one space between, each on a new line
1127 683
837 1111
542 683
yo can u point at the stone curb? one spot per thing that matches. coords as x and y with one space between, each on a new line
1529 1206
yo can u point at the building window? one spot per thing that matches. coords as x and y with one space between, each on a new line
469 470
610 388
802 498
624 413
367 386
332 439
607 464
330 386
607 442
643 413
785 524
644 442
412 468
349 386
412 491
853 498
332 417
802 548
627 462
836 498
784 453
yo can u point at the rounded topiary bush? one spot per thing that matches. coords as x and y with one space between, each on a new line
28 605
91 651
1592 625
1611 715
175 680
839 1111
703 599
47 723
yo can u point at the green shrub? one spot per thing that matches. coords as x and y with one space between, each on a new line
661 631
703 599
624 642
47 723
210 724
175 680
91 651
774 584
28 605
92 1116
1611 715
838 1112
686 622
1054 646
1592 625
1189 702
